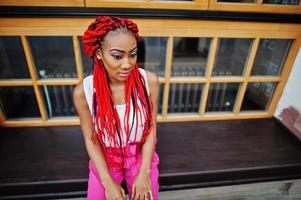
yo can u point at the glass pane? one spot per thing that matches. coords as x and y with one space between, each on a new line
232 56
271 56
258 96
18 102
282 2
53 56
238 1
87 62
190 56
184 97
160 101
12 58
58 100
152 54
222 96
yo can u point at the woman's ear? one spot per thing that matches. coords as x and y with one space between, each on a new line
98 54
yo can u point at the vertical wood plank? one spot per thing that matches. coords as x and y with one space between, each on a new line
211 59
2 118
169 52
247 75
78 58
285 74
33 75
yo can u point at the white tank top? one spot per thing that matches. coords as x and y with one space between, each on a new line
88 89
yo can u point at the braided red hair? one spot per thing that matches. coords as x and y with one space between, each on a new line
105 118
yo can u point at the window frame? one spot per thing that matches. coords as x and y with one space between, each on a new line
254 7
41 3
74 27
151 4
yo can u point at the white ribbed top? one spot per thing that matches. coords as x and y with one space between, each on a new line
88 89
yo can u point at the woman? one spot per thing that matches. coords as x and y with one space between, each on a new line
117 107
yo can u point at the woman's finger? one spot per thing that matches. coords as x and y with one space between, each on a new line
133 192
137 197
123 194
117 197
151 197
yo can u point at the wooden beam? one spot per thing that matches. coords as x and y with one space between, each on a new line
211 60
34 78
78 58
247 74
169 55
16 82
42 3
285 75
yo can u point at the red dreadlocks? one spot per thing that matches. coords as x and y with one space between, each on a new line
105 118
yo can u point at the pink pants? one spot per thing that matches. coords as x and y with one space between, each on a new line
129 172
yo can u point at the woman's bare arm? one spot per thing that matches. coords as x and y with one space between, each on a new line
94 149
149 144
142 185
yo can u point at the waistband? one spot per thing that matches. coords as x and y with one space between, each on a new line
118 158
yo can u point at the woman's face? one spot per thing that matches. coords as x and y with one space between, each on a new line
119 54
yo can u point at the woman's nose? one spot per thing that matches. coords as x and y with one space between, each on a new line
126 63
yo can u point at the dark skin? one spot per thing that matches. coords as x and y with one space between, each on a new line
119 55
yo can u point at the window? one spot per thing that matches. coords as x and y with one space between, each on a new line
53 56
206 71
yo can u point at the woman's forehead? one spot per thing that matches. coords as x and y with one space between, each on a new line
124 40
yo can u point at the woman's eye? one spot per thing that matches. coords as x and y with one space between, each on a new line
133 55
117 57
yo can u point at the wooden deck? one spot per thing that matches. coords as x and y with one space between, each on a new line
51 162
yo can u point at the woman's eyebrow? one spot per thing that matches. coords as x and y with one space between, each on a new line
122 50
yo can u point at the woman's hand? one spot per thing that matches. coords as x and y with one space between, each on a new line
113 191
142 188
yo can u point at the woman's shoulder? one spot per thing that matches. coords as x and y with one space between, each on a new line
78 91
81 88
152 80
79 96
150 76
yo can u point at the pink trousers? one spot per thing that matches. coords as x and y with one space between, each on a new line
128 172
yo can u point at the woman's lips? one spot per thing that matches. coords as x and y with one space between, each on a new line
124 74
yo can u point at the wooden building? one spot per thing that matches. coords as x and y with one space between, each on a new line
222 65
